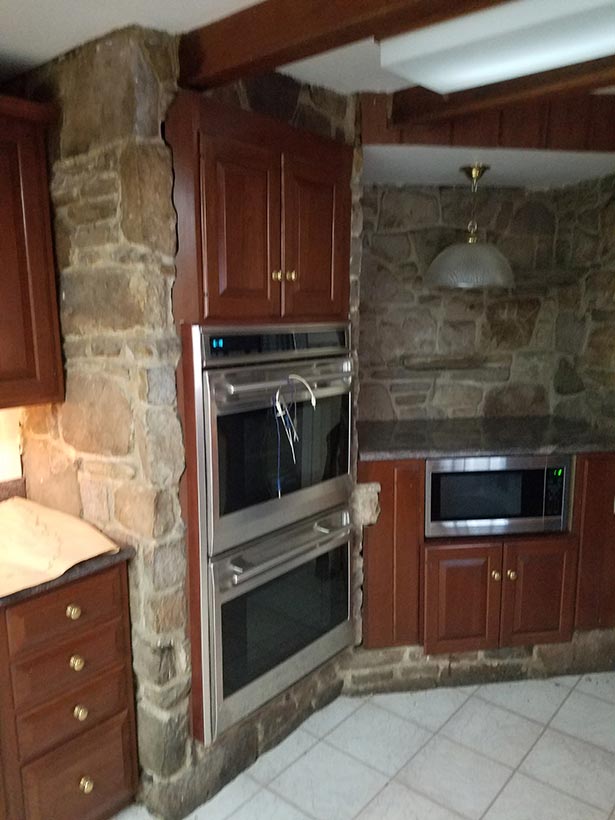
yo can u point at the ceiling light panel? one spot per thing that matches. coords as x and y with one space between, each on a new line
513 40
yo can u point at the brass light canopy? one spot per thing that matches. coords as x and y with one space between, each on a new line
471 264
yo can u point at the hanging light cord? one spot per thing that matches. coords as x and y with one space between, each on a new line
473 224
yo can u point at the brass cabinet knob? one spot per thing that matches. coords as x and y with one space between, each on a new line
277 275
77 663
291 275
81 713
86 785
73 612
496 575
511 575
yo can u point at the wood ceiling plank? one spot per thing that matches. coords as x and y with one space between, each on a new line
418 105
263 37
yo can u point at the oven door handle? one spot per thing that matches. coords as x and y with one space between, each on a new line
242 574
316 384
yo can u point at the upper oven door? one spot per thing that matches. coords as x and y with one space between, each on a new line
257 482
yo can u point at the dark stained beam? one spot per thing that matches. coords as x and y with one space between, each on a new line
418 105
275 32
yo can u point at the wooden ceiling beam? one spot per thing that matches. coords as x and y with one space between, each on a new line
413 106
263 37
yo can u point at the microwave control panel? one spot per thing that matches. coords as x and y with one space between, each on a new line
555 480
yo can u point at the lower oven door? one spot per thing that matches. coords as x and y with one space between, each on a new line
280 608
257 481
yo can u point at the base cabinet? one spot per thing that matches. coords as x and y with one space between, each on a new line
595 524
538 590
391 555
462 597
485 595
67 726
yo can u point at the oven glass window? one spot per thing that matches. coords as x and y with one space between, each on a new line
255 457
269 624
485 495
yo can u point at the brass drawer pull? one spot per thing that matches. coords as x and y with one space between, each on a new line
291 275
86 785
496 575
76 663
81 713
512 575
276 275
73 612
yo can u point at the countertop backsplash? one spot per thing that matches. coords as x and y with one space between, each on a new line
539 349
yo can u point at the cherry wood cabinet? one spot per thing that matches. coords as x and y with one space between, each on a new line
263 217
391 554
30 357
240 184
67 726
538 590
462 597
482 595
594 522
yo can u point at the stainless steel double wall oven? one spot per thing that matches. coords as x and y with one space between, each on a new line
273 423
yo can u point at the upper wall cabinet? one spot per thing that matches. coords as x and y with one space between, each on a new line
30 357
263 217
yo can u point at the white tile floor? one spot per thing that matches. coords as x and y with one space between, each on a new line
532 750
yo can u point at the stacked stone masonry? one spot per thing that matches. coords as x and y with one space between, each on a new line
113 452
540 348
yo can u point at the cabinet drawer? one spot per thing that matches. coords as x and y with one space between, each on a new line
47 617
58 785
72 715
42 677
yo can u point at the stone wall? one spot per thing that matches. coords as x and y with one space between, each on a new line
113 452
438 353
585 330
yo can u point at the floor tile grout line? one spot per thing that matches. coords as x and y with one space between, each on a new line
512 711
595 697
291 802
407 719
525 756
562 792
581 740
309 749
431 798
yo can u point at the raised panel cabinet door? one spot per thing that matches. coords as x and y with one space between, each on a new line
462 597
595 524
241 217
30 359
391 554
316 236
538 589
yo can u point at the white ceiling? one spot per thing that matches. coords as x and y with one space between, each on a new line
347 70
34 31
429 165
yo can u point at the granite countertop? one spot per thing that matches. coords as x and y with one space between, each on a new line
387 440
81 570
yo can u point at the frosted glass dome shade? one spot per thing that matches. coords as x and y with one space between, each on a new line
470 265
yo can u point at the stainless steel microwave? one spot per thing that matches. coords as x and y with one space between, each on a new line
495 495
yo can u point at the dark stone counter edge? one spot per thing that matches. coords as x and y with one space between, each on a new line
403 453
81 570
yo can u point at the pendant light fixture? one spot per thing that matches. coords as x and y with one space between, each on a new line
471 264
